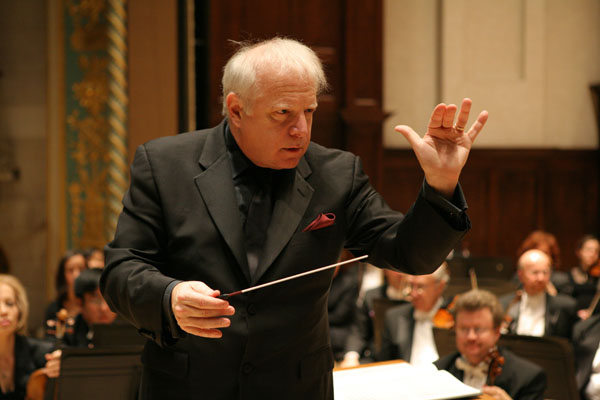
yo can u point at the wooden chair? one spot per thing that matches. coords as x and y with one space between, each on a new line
108 373
554 355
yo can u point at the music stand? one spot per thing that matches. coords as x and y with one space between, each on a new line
118 333
105 373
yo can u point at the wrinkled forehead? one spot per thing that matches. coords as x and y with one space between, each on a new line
421 279
591 244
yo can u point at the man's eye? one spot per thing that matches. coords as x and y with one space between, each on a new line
282 112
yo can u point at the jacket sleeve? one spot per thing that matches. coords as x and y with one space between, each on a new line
416 243
133 282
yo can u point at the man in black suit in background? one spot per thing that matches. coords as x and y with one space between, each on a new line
532 310
188 233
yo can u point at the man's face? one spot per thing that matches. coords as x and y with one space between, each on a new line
95 310
534 272
475 334
274 130
425 291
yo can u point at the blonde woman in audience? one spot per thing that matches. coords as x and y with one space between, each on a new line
19 355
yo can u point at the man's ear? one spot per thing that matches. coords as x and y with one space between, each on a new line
234 109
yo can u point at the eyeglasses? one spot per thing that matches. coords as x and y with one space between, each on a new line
477 330
419 289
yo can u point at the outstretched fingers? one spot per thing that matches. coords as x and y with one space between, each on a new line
463 115
409 134
477 125
437 116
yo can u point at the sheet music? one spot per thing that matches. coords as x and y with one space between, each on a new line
399 381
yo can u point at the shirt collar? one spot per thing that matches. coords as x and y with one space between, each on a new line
419 315
239 161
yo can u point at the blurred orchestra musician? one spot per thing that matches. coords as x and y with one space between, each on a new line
479 363
20 355
69 268
581 281
532 311
360 346
408 328
94 309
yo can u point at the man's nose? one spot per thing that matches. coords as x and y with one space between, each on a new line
300 126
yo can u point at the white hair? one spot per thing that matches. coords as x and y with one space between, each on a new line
441 274
277 57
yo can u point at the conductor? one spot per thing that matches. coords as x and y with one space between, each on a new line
253 200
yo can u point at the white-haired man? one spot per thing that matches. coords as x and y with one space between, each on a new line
251 201
532 311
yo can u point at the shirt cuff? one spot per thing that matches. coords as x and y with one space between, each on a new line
171 329
454 211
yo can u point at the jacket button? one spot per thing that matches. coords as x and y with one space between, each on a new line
251 309
247 368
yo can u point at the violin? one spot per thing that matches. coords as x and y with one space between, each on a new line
38 380
444 318
496 362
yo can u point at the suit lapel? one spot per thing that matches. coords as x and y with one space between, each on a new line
291 203
513 312
551 317
216 188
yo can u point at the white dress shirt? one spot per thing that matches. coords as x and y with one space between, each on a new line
424 350
532 315
473 375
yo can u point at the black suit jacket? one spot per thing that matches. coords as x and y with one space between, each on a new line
559 319
586 338
520 378
180 221
397 335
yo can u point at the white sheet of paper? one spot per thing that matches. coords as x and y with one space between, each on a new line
398 381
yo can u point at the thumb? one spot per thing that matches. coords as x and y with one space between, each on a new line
409 134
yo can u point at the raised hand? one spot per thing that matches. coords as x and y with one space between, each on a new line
443 151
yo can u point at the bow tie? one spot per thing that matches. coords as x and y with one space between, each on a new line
480 370
422 315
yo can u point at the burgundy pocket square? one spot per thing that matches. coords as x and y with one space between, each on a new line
322 221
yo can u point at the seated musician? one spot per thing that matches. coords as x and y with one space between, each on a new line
360 345
408 332
94 309
533 311
19 354
477 362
